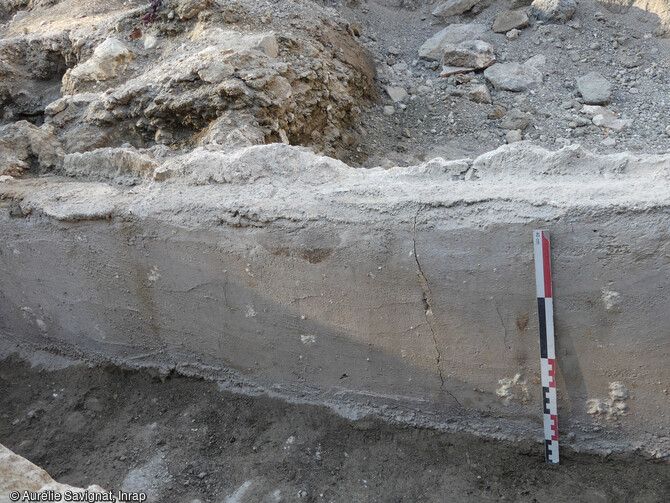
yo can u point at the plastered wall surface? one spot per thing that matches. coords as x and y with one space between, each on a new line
410 289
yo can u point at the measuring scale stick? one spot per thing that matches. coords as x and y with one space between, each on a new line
545 310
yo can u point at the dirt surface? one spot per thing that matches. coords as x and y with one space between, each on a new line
437 118
184 440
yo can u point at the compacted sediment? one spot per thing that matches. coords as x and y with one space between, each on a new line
332 203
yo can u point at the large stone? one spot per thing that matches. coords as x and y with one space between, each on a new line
110 59
215 72
26 147
190 8
454 7
479 93
510 20
594 88
554 10
19 474
475 54
515 119
396 93
513 76
433 48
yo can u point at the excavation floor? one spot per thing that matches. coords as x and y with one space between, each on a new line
184 440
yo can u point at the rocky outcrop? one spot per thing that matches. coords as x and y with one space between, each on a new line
178 80
110 59
31 69
26 148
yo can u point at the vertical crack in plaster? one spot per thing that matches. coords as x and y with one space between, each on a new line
503 325
428 308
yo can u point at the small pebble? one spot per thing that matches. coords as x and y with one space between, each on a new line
513 34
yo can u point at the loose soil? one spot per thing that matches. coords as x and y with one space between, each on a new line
181 439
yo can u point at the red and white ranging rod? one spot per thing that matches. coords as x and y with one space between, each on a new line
545 310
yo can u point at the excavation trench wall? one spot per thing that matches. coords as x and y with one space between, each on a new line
408 291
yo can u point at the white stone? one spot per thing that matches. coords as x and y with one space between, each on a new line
396 93
537 61
110 59
475 54
448 71
554 10
479 93
188 9
513 76
608 120
17 473
513 136
433 48
594 88
150 42
235 41
269 46
19 16
216 72
510 20
618 391
611 299
593 110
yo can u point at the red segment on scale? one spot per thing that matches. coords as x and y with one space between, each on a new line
546 267
551 363
554 426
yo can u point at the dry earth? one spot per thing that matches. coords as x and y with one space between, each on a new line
184 440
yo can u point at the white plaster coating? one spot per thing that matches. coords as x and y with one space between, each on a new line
354 258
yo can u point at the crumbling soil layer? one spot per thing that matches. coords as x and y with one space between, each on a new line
180 439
